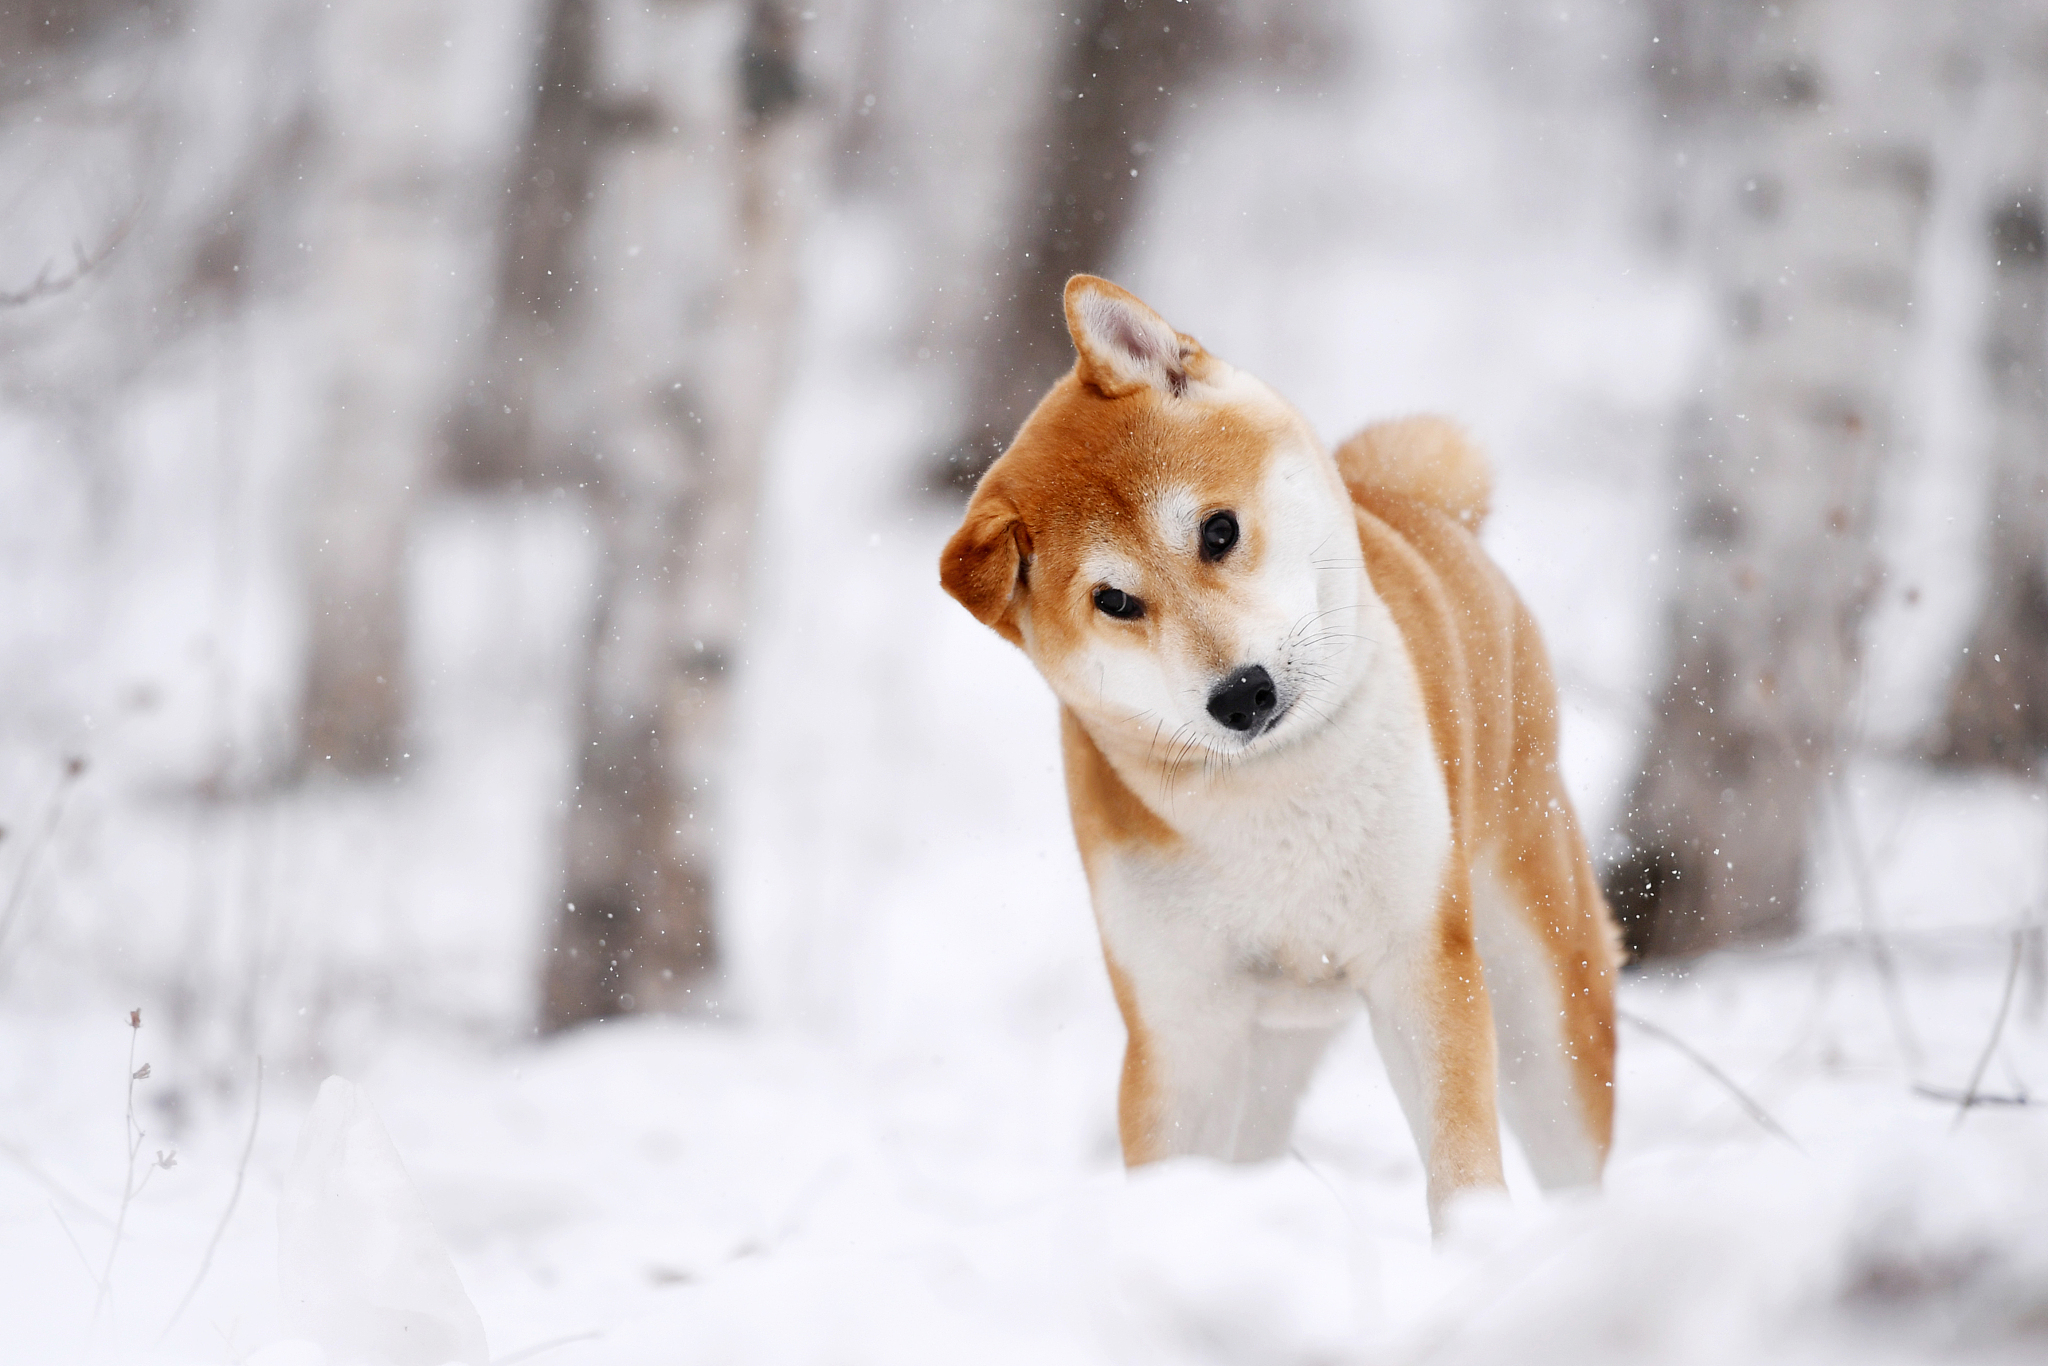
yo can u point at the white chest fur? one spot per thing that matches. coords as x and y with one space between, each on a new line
1299 871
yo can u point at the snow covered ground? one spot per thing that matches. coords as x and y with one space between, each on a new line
892 1140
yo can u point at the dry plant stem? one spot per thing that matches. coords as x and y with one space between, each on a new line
2012 977
132 1134
1699 1060
234 1196
72 1238
1866 897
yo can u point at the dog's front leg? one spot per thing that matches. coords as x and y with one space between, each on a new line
1434 1026
1187 1059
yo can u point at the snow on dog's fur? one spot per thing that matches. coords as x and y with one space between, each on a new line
1311 753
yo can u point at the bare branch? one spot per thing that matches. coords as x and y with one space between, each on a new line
47 283
529 1353
1824 943
1948 1095
72 1238
1836 798
220 1229
73 768
34 1171
1970 1097
1699 1060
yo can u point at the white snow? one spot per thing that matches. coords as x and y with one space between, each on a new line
361 1271
893 1139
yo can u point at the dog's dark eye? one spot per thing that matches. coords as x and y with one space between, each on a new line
1114 602
1219 533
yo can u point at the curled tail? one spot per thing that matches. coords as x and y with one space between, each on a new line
1429 459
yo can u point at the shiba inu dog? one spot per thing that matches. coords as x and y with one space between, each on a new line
1311 753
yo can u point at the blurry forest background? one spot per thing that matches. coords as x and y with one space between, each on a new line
471 473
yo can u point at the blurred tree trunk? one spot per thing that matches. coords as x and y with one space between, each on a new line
392 280
492 438
646 308
1810 204
1124 66
1998 706
1691 47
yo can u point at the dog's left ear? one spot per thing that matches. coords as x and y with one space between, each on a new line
1124 346
985 563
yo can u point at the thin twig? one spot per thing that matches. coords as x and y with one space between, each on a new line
1315 1171
2035 969
56 1188
220 1229
83 264
2012 977
76 1246
1948 1095
1826 942
1866 896
73 767
528 1353
1699 1060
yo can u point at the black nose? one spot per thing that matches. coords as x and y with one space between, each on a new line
1244 699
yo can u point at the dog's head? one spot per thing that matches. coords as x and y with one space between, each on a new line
1168 541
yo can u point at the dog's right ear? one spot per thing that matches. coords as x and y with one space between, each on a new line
985 564
1122 345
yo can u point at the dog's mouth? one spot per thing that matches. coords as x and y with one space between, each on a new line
1274 721
1267 724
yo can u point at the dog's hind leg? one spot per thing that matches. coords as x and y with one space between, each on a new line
1552 1010
1548 942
